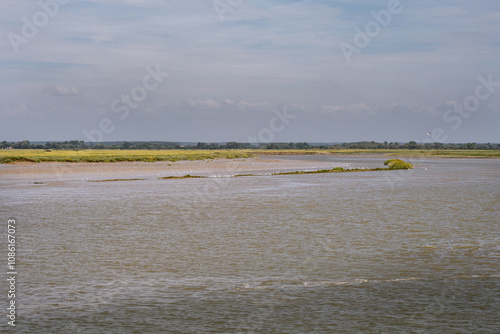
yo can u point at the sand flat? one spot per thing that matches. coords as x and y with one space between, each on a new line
97 171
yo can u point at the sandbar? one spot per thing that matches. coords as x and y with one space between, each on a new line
62 171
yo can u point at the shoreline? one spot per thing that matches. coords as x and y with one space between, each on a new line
19 157
65 171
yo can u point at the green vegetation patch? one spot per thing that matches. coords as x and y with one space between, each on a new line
398 164
182 177
333 170
115 155
115 180
38 155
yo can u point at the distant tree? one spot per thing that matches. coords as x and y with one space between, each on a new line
272 146
471 146
302 146
25 144
213 146
233 145
201 146
412 145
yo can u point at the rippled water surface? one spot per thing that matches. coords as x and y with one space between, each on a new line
370 252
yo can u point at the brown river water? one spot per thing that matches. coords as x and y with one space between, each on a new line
413 251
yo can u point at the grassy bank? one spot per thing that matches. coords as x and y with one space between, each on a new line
10 156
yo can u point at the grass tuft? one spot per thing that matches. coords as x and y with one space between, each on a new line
182 177
398 164
116 180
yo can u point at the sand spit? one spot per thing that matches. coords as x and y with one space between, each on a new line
56 171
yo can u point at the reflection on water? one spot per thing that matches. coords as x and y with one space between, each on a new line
322 253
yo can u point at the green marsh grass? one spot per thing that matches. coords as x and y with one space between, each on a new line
398 164
182 177
116 180
13 156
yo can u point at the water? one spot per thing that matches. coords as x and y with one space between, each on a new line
373 252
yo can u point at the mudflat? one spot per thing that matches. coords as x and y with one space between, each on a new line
217 167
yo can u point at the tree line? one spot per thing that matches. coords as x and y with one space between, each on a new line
157 145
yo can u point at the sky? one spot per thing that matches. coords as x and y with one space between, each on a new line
242 70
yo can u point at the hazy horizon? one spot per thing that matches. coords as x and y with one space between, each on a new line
37 142
250 71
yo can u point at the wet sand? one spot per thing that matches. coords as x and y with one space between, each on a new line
61 171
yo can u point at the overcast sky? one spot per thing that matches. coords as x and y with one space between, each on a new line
274 70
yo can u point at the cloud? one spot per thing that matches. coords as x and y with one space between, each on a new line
422 108
62 91
356 108
18 110
226 104
243 105
209 103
